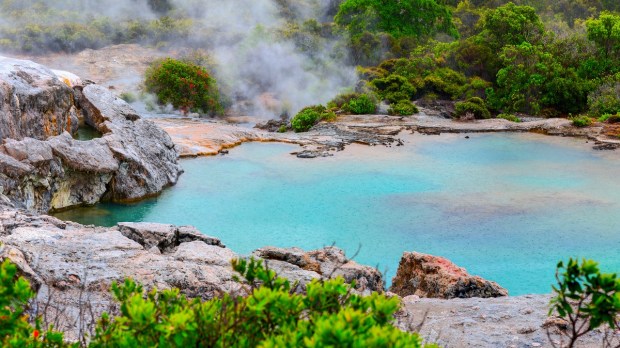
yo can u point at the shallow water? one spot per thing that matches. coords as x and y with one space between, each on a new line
507 207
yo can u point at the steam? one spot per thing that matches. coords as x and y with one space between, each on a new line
264 71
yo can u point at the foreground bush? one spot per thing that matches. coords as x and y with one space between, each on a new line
15 330
273 315
586 298
187 86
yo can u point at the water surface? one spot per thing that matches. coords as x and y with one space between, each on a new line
507 207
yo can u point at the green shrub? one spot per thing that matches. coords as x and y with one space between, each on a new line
309 116
282 129
581 121
604 118
361 105
475 106
586 298
186 86
394 88
403 108
273 315
605 99
509 117
15 330
342 100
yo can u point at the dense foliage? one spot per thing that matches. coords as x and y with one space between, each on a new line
309 116
273 315
545 58
587 298
185 85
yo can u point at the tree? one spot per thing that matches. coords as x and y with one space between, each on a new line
512 25
417 18
533 79
605 32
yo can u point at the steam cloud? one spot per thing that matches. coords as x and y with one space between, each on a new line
265 74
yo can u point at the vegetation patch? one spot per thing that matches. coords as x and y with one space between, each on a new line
581 121
475 107
273 315
403 108
184 85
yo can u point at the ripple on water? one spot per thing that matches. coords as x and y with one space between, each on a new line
504 206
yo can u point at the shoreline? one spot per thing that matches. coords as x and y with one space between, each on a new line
196 137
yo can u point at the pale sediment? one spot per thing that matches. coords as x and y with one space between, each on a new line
199 137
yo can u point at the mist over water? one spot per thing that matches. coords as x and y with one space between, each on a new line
263 61
506 207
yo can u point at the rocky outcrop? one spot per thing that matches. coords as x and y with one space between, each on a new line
436 277
73 266
329 262
33 102
43 168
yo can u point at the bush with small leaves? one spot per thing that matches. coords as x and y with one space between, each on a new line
273 315
403 108
394 88
309 116
586 298
509 117
474 106
185 85
361 105
15 330
581 121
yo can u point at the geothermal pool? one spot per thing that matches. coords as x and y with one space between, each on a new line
507 207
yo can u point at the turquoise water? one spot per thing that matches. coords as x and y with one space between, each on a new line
507 207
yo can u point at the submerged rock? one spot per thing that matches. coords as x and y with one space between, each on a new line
436 277
329 262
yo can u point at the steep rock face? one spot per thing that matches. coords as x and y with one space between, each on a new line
43 168
436 277
329 262
34 102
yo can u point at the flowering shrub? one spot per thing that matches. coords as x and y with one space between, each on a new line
187 86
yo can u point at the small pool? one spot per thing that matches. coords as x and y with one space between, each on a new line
507 207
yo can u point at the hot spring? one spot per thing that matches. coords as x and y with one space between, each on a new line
507 207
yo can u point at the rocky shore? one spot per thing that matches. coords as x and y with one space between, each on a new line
199 137
42 168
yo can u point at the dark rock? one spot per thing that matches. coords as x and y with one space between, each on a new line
165 237
605 146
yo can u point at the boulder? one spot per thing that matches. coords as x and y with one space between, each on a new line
436 277
34 102
147 155
329 262
43 168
